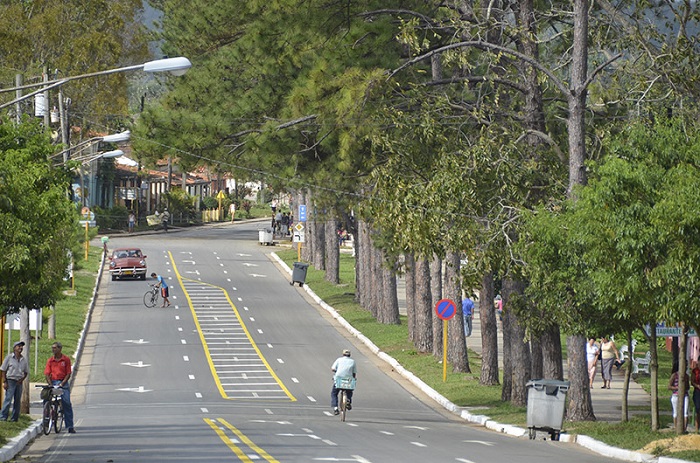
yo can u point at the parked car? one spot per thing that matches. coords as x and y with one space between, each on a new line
127 262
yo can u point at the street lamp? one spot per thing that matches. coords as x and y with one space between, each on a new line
177 66
112 138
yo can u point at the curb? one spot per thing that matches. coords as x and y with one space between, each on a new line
17 443
483 420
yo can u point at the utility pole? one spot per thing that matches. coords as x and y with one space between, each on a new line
18 94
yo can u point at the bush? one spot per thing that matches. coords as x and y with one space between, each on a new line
112 218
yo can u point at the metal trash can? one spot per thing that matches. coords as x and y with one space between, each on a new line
299 273
265 236
546 401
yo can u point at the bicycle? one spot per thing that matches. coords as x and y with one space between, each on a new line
343 385
52 412
150 299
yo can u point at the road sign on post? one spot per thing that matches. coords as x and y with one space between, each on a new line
302 212
445 309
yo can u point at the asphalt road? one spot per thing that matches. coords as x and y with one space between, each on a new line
238 369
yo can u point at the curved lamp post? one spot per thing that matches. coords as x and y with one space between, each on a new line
177 66
112 138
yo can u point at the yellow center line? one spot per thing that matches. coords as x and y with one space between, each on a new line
247 441
222 435
204 342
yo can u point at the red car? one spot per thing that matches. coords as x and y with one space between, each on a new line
127 262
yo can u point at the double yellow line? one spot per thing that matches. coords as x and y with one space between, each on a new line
242 437
219 386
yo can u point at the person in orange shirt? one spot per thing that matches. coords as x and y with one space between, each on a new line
58 372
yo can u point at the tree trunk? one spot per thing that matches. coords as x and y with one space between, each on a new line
388 312
411 294
537 367
423 330
332 251
25 335
520 349
552 362
580 406
507 388
654 371
456 344
363 264
626 382
52 323
436 294
376 285
319 242
489 333
682 375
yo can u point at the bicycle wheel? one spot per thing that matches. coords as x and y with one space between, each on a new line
58 413
46 421
149 299
342 404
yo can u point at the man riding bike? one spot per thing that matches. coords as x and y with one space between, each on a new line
343 368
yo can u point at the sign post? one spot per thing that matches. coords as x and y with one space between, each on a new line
300 229
445 309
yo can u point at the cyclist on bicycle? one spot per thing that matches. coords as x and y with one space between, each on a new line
343 368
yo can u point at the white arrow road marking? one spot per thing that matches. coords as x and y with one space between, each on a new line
416 427
418 444
140 341
250 265
135 389
189 262
138 364
464 460
257 275
482 442
244 255
196 272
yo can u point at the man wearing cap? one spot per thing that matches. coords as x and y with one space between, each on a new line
58 372
14 370
343 368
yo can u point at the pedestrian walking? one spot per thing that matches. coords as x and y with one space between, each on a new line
468 315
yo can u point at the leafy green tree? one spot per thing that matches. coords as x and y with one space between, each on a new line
37 221
71 38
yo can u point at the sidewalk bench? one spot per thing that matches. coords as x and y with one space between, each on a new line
641 364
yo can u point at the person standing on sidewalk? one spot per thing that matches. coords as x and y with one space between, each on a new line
58 372
608 354
468 315
14 370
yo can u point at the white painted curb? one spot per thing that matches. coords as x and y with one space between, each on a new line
17 443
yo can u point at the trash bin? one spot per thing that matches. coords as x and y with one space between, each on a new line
265 236
546 400
299 273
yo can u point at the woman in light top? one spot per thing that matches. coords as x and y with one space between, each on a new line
592 351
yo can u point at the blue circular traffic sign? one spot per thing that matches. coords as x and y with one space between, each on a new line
445 309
